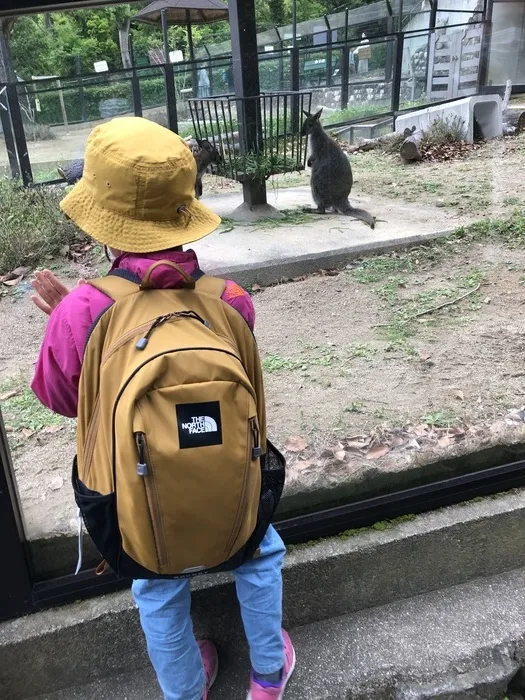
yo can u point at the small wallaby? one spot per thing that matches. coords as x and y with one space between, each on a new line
331 179
206 155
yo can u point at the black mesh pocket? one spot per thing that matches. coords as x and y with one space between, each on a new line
273 468
100 517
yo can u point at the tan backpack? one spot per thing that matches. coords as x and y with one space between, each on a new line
173 475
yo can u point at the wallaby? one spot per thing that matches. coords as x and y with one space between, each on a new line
207 155
331 179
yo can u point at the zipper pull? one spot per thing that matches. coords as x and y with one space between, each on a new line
256 448
141 344
142 466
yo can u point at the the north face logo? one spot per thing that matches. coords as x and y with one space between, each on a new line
199 424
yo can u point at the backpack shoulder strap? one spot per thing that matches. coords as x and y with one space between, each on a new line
210 285
117 285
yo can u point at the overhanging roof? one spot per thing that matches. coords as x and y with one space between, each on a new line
179 11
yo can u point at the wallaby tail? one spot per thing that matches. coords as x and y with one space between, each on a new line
348 210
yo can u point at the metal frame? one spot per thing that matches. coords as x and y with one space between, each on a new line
19 593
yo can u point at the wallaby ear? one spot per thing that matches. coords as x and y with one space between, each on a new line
306 114
318 114
199 142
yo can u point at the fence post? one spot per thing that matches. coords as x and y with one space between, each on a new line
398 69
328 66
19 133
295 87
135 82
171 98
345 76
486 41
7 128
81 95
15 582
247 89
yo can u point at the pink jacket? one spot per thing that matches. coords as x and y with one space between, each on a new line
57 371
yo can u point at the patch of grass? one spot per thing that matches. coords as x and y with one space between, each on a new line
24 410
355 407
377 268
32 228
361 350
275 363
450 129
290 217
512 201
440 418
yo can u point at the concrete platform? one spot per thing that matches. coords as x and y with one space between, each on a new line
99 638
457 643
262 255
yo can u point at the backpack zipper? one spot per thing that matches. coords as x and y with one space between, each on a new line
253 452
149 327
144 470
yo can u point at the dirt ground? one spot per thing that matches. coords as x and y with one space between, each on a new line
358 368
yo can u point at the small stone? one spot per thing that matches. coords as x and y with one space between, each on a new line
56 483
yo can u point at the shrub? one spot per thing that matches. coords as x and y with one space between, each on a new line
450 129
32 228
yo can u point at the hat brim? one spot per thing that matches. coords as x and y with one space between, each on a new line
137 235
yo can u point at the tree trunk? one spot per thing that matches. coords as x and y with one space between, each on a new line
7 74
123 37
410 147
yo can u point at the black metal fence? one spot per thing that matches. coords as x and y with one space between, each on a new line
393 78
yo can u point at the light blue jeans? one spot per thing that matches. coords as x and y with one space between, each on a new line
164 607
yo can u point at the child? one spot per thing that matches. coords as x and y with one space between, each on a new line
137 198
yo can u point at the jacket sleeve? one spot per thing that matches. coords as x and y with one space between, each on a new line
57 370
236 296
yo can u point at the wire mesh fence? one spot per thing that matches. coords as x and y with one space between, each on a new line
255 136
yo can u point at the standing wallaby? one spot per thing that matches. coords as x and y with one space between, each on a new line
206 155
331 179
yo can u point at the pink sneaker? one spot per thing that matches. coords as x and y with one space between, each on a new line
210 660
275 692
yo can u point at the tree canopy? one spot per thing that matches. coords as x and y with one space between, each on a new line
49 44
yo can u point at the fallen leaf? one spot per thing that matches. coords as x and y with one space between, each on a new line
423 356
56 483
302 464
9 394
446 441
256 287
398 441
378 451
53 429
27 433
459 395
20 271
296 443
9 429
340 455
13 282
354 445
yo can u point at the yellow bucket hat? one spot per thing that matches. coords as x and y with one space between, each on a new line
137 192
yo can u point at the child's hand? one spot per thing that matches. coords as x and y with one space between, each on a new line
49 291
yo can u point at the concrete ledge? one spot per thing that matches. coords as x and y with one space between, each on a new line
101 637
461 643
279 269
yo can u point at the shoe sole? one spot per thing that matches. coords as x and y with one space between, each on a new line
286 680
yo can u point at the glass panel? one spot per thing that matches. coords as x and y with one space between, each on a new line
507 52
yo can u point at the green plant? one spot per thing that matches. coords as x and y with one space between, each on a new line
274 363
24 410
440 418
31 225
